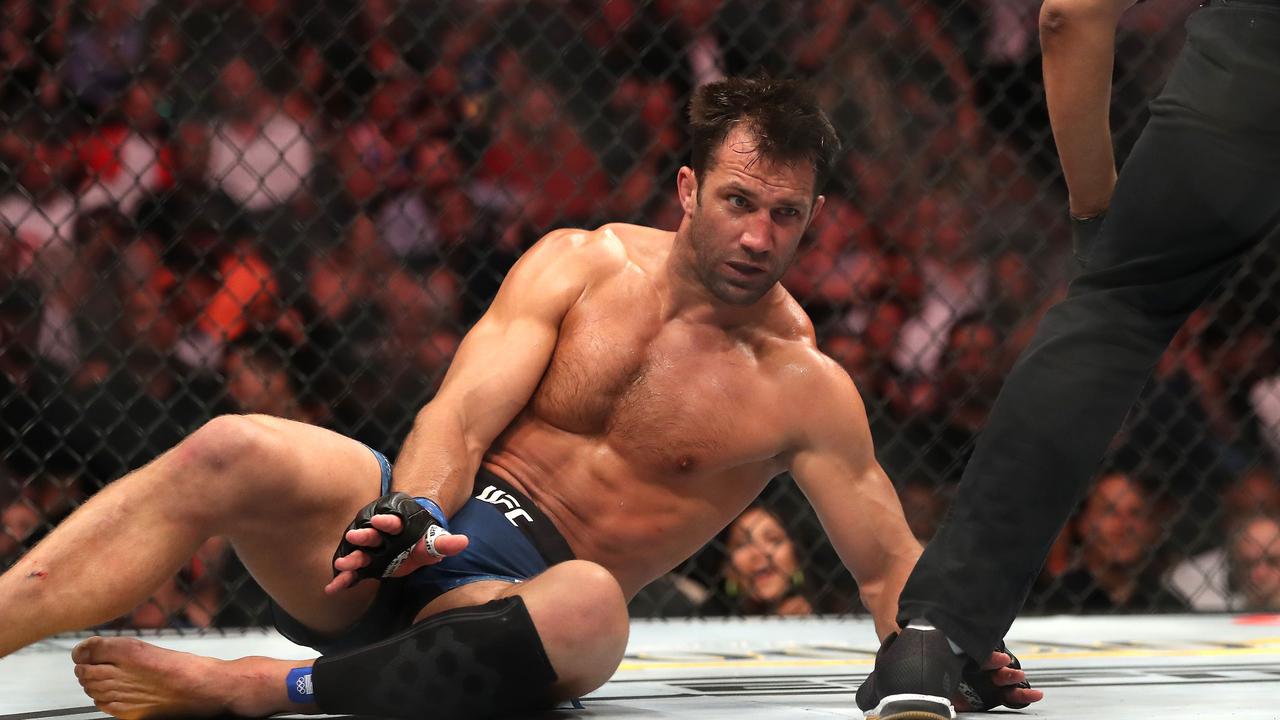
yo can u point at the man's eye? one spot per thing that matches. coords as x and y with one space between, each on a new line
788 212
737 201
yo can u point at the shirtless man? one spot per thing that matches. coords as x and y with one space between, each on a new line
628 393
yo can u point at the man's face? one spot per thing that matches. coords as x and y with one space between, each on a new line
745 218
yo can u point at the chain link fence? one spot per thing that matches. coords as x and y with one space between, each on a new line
298 208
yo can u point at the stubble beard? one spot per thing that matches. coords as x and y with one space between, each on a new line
708 268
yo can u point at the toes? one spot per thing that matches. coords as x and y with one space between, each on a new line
88 651
94 673
115 709
107 651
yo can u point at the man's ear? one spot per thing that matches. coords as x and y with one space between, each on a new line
687 188
817 207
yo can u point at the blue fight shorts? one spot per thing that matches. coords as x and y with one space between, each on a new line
511 540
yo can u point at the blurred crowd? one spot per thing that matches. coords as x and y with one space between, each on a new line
271 206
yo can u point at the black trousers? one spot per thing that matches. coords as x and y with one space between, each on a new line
1201 187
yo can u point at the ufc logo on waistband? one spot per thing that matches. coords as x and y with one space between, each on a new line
494 496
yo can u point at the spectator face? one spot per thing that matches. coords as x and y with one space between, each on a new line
537 112
1118 530
762 558
1013 279
948 222
238 87
191 152
971 362
166 46
455 216
257 386
744 218
883 327
148 320
1256 492
1255 553
140 107
389 102
436 166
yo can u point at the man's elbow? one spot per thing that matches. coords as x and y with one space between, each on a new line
1059 17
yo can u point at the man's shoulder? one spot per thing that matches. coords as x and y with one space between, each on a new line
795 353
613 244
605 252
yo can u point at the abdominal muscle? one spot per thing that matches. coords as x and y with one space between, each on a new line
636 520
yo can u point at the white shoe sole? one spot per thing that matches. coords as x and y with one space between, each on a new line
912 707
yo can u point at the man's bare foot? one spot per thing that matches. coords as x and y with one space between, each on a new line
131 679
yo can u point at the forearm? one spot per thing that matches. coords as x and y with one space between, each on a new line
880 595
1077 38
437 460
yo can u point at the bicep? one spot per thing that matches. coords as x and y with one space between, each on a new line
837 469
502 359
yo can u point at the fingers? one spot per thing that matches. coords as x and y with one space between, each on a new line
354 561
448 545
1007 676
997 660
1022 696
370 537
340 582
387 523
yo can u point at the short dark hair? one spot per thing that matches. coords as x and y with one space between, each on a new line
784 115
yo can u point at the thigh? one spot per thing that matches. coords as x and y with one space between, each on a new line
292 518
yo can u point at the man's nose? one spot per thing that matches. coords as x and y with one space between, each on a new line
757 238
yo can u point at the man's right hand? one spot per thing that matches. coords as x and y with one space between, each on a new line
372 546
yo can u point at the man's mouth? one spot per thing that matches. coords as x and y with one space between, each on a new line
745 269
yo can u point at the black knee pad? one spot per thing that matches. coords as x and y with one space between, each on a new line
473 662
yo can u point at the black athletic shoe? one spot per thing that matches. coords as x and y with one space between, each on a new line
915 677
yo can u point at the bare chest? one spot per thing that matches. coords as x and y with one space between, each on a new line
682 399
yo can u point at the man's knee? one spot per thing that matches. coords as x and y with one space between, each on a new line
584 631
230 463
223 444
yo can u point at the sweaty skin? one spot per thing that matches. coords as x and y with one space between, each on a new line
643 386
652 428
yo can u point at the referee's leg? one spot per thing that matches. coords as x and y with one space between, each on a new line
1201 187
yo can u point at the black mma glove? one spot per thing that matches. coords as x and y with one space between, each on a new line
976 685
421 519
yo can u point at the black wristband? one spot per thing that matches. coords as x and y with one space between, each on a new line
1084 235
